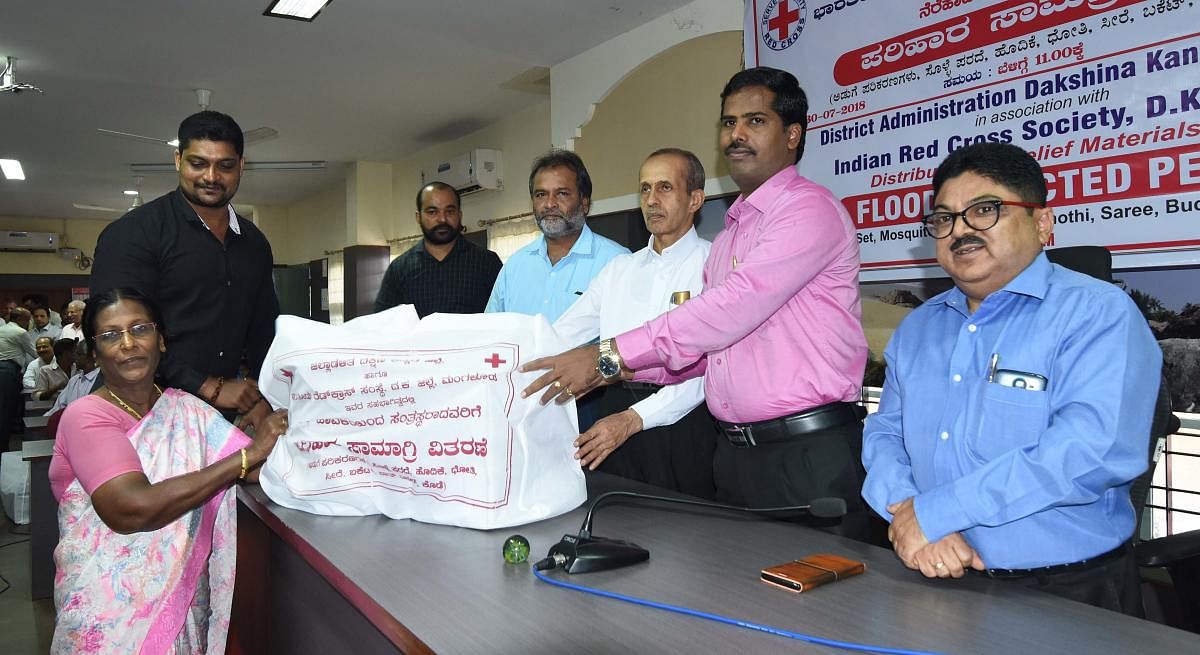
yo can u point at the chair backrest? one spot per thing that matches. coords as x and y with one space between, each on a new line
1095 261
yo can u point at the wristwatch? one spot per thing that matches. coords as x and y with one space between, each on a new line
609 364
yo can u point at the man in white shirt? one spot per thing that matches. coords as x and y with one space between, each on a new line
44 346
660 435
74 324
81 383
53 377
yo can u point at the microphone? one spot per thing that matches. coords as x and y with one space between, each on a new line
585 553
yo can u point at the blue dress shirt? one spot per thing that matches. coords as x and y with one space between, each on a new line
1030 478
528 284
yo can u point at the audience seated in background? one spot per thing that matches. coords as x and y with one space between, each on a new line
52 378
44 347
73 328
81 382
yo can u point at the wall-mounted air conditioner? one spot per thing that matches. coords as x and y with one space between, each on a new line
474 170
28 241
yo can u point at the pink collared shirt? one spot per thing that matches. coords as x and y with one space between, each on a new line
778 329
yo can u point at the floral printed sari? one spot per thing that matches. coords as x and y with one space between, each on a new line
166 591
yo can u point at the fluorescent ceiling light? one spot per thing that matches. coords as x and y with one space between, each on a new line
142 169
130 192
174 143
12 169
305 10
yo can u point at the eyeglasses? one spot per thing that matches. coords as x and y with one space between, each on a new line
981 216
114 337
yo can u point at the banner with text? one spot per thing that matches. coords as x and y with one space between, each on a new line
1103 93
419 419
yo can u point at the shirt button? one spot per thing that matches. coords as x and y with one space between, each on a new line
725 405
718 360
228 282
221 354
971 328
957 378
944 436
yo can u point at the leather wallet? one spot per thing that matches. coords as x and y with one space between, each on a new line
812 571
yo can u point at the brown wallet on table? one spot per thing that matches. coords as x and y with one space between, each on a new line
812 571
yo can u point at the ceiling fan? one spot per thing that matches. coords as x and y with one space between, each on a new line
135 193
8 79
203 96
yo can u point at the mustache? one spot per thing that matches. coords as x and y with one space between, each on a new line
969 240
739 146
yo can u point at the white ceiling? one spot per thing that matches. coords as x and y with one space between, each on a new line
368 80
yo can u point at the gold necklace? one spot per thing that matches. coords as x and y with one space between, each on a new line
125 406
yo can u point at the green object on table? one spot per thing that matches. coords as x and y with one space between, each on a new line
516 549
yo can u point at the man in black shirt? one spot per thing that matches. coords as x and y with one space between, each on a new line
207 268
443 273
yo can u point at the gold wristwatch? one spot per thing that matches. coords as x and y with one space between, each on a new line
609 364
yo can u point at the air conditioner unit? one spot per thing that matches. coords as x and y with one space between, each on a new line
28 241
474 170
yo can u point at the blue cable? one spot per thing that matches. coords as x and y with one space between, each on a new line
735 622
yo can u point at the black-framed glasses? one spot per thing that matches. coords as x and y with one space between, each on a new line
139 331
981 216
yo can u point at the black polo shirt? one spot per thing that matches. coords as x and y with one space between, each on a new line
459 284
218 299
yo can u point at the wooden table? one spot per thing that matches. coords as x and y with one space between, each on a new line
320 584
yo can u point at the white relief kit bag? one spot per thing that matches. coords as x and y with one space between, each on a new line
419 418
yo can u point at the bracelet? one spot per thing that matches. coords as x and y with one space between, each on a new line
242 475
212 399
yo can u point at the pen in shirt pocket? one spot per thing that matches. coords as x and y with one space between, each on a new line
992 365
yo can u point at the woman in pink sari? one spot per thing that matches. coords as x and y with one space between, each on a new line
143 477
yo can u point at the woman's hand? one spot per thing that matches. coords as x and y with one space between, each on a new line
266 432
241 395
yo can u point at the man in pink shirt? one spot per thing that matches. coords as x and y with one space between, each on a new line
777 332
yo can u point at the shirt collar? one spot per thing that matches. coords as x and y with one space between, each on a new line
684 245
454 250
762 197
583 245
233 217
1033 281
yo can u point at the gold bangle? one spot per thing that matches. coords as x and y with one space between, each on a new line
242 475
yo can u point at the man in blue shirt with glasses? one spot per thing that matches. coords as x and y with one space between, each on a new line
1016 408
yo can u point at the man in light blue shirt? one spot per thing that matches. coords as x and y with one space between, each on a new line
1016 407
550 274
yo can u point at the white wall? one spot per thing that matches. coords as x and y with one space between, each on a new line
579 83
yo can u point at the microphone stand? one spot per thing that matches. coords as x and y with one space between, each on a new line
585 553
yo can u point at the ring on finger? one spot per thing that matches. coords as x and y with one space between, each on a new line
939 565
568 391
558 384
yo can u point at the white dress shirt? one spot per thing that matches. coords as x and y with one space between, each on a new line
71 332
29 380
631 290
